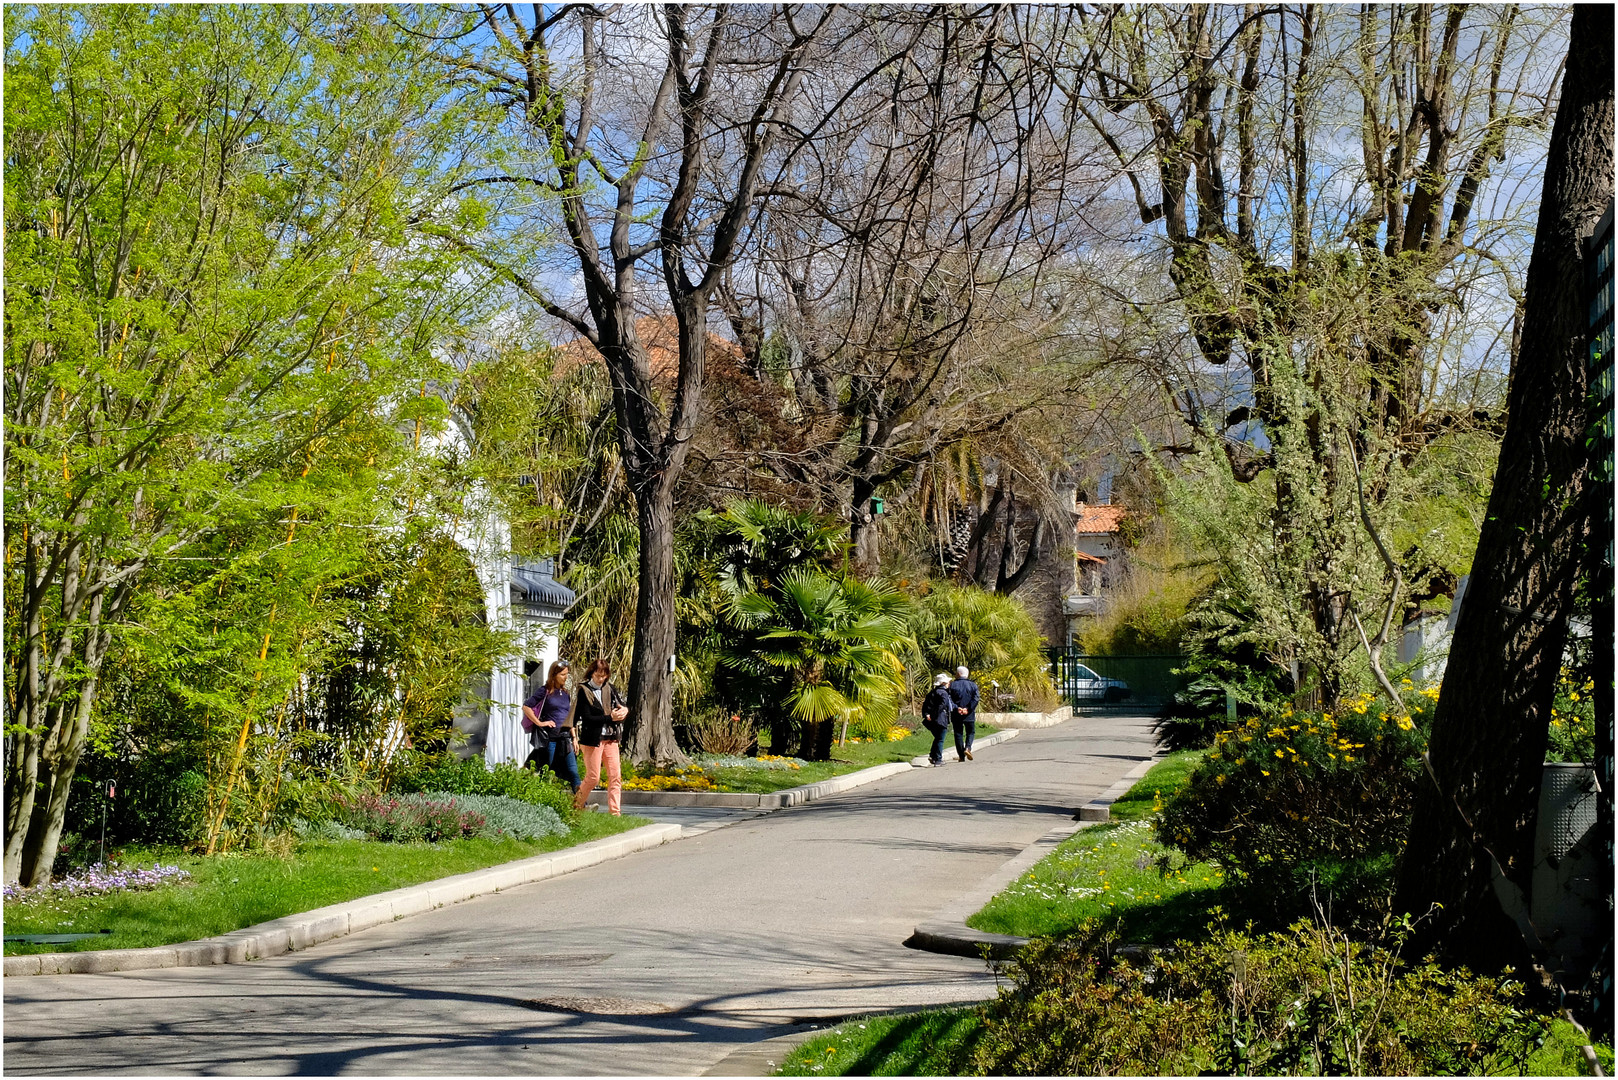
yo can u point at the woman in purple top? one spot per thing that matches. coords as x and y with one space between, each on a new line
545 717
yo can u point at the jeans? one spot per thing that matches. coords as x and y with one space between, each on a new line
966 729
557 756
594 756
936 753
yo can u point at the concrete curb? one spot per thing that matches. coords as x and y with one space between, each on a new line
1028 719
744 800
293 932
947 932
920 760
1100 807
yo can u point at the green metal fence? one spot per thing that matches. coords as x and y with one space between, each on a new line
1086 680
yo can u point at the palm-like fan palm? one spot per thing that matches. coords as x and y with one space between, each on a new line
827 648
991 634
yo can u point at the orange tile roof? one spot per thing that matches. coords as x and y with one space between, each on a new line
660 336
1083 556
1099 520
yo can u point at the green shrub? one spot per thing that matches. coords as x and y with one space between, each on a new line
1304 1001
1307 808
1197 712
504 816
448 773
408 818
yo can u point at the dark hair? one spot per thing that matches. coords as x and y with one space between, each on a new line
600 664
557 677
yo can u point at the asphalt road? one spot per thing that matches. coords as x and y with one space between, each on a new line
662 963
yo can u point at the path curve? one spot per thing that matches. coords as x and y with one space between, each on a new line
667 962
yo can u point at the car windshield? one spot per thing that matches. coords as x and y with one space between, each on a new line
1084 673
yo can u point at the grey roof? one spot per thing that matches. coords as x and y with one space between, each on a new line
531 580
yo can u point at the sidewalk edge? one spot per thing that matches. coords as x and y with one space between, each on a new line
947 932
291 933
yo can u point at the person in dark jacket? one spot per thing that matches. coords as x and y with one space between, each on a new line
964 719
547 717
935 714
599 716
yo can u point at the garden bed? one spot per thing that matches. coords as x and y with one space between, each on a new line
230 892
767 774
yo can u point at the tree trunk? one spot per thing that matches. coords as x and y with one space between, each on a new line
862 530
1471 840
649 734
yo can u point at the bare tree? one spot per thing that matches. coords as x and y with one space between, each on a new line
1305 251
896 284
626 112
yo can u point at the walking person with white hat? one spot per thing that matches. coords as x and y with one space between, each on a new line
935 714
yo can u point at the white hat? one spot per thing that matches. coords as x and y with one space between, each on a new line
962 672
942 680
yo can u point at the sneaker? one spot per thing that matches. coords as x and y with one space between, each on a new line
969 755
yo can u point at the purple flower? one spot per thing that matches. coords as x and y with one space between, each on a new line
100 879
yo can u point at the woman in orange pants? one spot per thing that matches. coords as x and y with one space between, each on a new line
599 720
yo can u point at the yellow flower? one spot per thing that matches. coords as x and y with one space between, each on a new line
1266 772
1279 754
1405 723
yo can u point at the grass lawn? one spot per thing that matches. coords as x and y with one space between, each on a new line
849 757
934 1043
1111 871
229 892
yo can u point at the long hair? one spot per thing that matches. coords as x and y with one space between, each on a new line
557 678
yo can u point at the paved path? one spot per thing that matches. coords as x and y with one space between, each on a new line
665 962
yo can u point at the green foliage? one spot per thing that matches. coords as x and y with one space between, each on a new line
992 635
930 1043
1306 808
1146 612
1198 710
219 336
1304 1001
1114 872
822 649
456 776
1294 542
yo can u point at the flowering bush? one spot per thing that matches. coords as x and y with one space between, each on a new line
763 761
690 778
100 879
722 732
895 734
1573 720
1306 803
409 817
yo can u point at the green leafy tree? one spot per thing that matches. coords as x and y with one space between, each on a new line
212 315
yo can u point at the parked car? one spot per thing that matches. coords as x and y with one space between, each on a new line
1086 685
